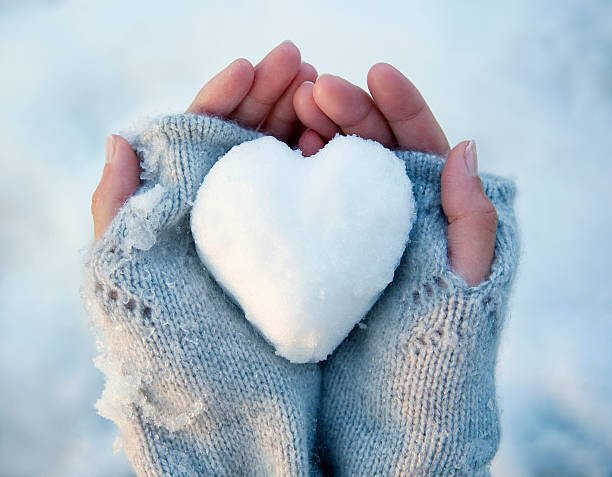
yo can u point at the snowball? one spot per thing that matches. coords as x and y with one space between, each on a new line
304 245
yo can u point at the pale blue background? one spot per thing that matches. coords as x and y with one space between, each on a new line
531 81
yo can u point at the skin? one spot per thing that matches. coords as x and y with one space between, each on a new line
283 96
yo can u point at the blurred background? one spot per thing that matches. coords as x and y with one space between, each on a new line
530 81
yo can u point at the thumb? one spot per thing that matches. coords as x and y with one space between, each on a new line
472 219
120 179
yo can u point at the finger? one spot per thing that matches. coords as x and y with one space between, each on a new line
120 179
411 120
310 143
352 109
310 114
273 75
472 219
281 122
225 91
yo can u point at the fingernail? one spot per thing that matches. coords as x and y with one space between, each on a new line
471 162
287 42
110 149
237 61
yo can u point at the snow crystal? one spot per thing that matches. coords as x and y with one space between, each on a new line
140 233
145 202
305 246
136 379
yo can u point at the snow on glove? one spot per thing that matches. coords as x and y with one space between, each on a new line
192 387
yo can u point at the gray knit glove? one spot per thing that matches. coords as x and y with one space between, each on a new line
413 392
193 388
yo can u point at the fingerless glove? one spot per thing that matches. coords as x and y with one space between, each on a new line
195 390
192 387
412 391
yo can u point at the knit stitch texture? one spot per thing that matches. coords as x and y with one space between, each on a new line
412 390
195 390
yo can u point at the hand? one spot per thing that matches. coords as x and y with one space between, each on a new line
397 116
202 383
259 97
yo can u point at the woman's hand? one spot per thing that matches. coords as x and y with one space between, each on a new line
396 115
259 97
273 95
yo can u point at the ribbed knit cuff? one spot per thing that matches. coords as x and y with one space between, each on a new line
425 171
179 150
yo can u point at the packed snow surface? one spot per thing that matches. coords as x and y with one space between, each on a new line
304 245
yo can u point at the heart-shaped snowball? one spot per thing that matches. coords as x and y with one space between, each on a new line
304 245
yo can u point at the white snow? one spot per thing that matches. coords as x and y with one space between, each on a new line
304 245
527 80
146 201
140 235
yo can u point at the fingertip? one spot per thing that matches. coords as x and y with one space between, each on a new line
351 109
241 63
128 167
340 99
302 95
242 67
310 142
326 82
272 76
455 164
326 76
281 122
224 91
288 51
120 179
462 190
309 112
385 83
309 71
289 45
382 69
306 77
401 103
116 138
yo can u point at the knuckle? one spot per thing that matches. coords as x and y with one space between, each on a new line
489 219
484 214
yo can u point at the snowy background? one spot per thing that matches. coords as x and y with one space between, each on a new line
531 81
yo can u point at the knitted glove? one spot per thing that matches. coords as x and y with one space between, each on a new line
411 391
193 388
